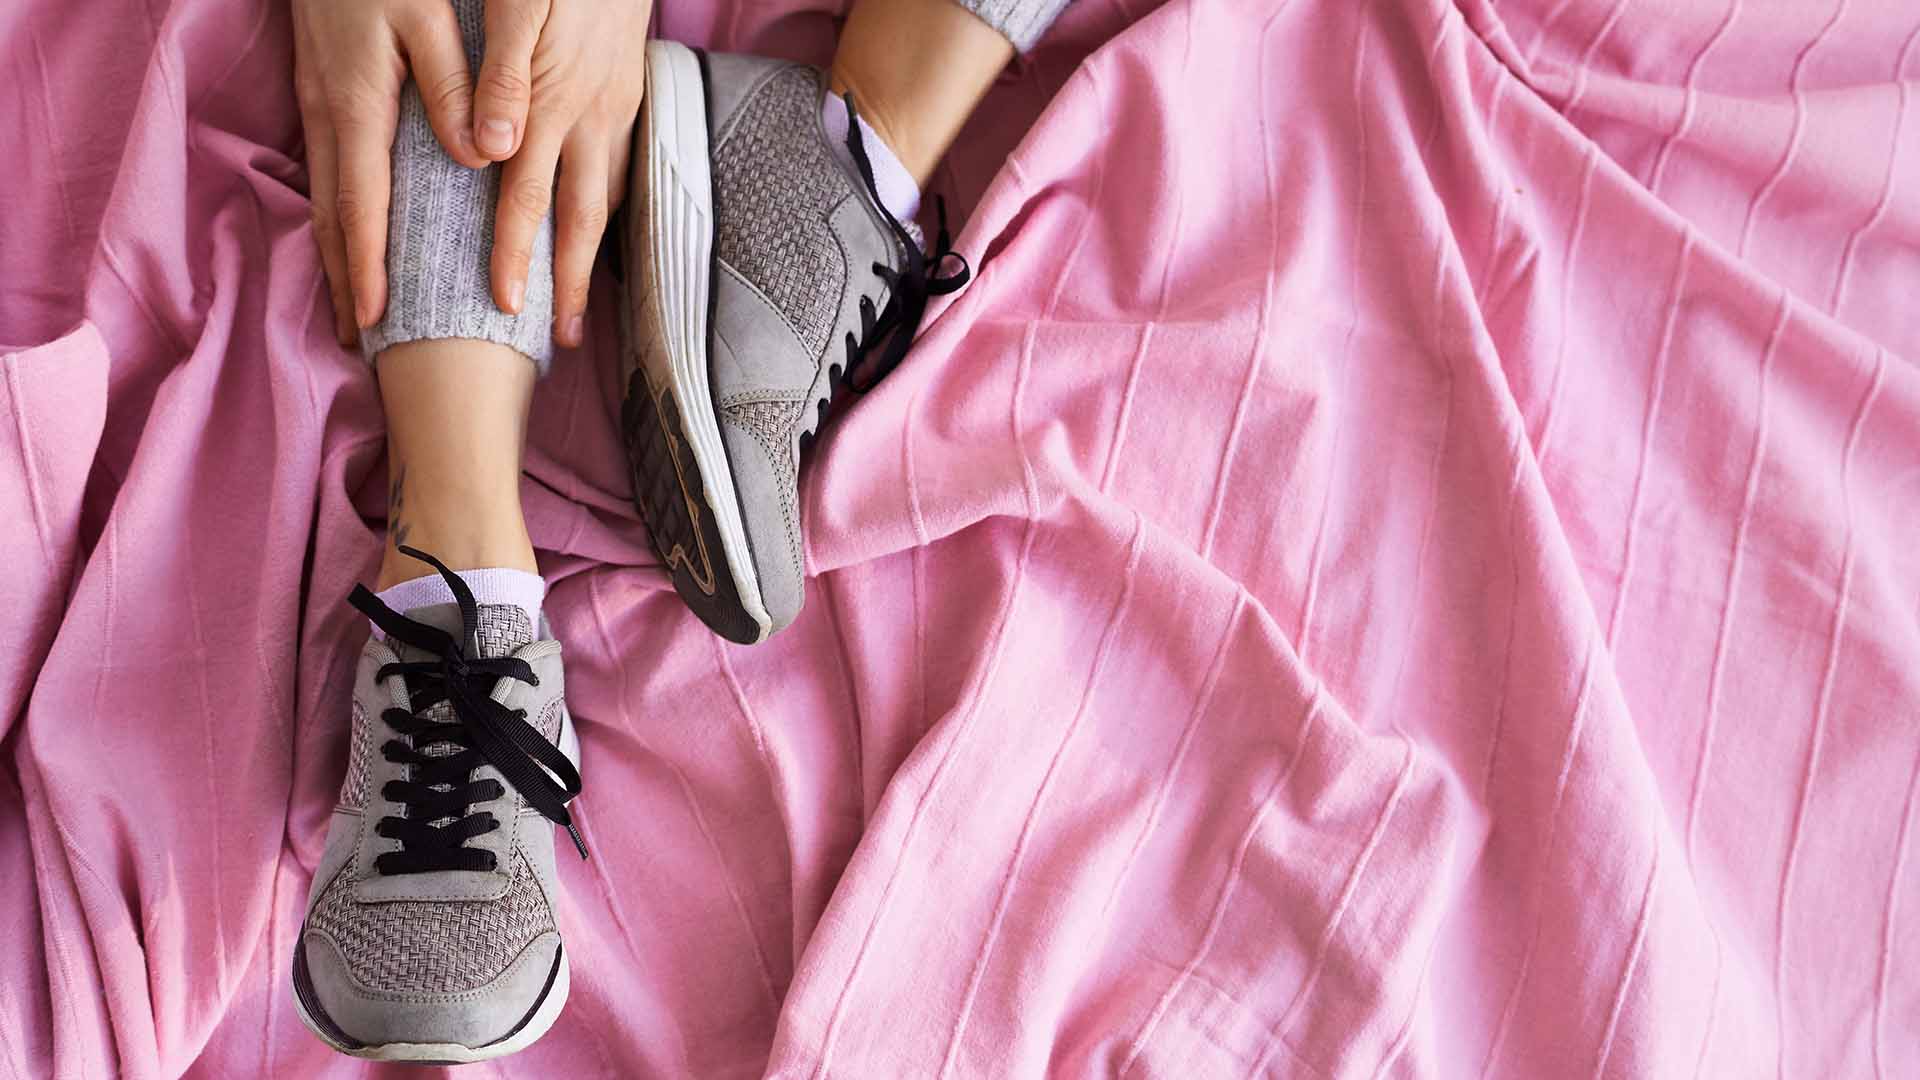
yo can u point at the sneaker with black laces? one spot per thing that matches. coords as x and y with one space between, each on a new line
429 934
762 276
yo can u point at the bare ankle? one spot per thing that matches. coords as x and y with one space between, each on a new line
467 530
916 69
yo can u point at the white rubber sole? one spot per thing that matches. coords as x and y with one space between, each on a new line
680 208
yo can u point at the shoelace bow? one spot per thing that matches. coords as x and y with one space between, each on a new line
483 731
908 289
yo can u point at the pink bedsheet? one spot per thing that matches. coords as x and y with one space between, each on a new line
1403 562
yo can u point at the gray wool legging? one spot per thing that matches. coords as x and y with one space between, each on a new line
440 228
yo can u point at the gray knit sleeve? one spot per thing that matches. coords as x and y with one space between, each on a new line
440 238
1020 21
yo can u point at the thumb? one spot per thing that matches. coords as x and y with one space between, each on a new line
505 86
430 35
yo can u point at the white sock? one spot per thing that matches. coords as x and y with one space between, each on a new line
898 191
497 585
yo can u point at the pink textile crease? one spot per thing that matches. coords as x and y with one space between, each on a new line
1403 562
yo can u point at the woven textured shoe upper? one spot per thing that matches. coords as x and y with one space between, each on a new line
796 238
450 947
442 956
775 186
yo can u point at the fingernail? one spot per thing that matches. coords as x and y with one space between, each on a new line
496 136
362 314
516 292
575 326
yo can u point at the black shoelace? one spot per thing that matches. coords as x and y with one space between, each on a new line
908 289
483 732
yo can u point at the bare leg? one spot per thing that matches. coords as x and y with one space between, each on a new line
916 69
456 424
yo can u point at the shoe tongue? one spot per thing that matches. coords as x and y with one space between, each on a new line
502 628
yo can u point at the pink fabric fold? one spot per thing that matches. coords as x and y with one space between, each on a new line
1403 562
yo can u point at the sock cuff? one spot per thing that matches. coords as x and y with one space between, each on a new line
1021 22
899 192
440 241
494 585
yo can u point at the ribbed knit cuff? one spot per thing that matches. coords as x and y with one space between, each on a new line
1019 21
440 240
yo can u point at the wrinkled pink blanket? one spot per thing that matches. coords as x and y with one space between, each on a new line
1403 562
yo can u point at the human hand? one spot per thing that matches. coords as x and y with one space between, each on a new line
558 90
351 58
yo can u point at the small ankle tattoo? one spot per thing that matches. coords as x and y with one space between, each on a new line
397 527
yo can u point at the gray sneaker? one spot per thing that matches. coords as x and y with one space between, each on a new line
429 934
761 275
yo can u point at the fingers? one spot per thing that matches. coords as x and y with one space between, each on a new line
504 88
321 185
618 160
363 128
526 190
326 227
430 35
580 220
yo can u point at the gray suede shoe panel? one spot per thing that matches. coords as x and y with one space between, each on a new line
731 77
360 752
762 448
754 352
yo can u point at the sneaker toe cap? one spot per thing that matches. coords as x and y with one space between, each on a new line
361 1020
764 460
